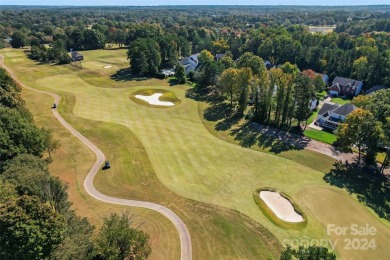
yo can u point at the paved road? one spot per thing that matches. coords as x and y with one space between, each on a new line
185 238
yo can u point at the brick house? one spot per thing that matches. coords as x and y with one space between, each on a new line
345 87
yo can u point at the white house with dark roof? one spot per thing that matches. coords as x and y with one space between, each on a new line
330 114
76 56
190 63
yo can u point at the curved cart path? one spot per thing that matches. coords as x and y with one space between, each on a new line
185 238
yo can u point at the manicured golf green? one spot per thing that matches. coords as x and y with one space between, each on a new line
165 155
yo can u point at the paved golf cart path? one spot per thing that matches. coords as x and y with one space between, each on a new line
185 238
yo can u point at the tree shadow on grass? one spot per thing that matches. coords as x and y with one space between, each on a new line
276 140
370 187
173 82
217 112
202 95
126 75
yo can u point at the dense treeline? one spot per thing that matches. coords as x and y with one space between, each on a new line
364 26
275 34
36 219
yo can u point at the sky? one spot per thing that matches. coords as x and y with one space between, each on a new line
191 2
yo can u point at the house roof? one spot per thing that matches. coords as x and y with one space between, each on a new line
345 109
77 54
326 107
219 56
376 88
346 81
325 78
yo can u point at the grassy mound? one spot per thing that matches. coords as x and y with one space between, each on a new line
268 212
168 96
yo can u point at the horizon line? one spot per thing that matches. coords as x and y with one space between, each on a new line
191 5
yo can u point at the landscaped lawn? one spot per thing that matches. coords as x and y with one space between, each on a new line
312 118
168 156
319 135
341 101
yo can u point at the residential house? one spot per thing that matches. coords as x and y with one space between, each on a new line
76 56
330 114
325 78
219 56
268 65
345 87
190 63
374 89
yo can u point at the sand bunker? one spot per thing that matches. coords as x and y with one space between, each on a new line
154 100
280 206
108 66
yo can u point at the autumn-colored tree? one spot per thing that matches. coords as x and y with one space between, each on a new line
362 131
220 46
361 101
205 56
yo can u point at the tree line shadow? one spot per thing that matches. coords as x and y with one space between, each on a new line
370 187
126 75
249 133
276 140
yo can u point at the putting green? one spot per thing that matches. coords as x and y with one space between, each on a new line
194 164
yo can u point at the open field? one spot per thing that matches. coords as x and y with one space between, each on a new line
321 29
172 157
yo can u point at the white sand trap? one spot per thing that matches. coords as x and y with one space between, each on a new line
108 66
154 100
280 206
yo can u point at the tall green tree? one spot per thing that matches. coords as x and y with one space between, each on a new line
9 91
29 229
145 57
18 135
30 177
249 60
117 239
304 91
180 74
93 39
19 40
359 69
243 81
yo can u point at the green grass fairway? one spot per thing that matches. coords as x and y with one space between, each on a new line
168 156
